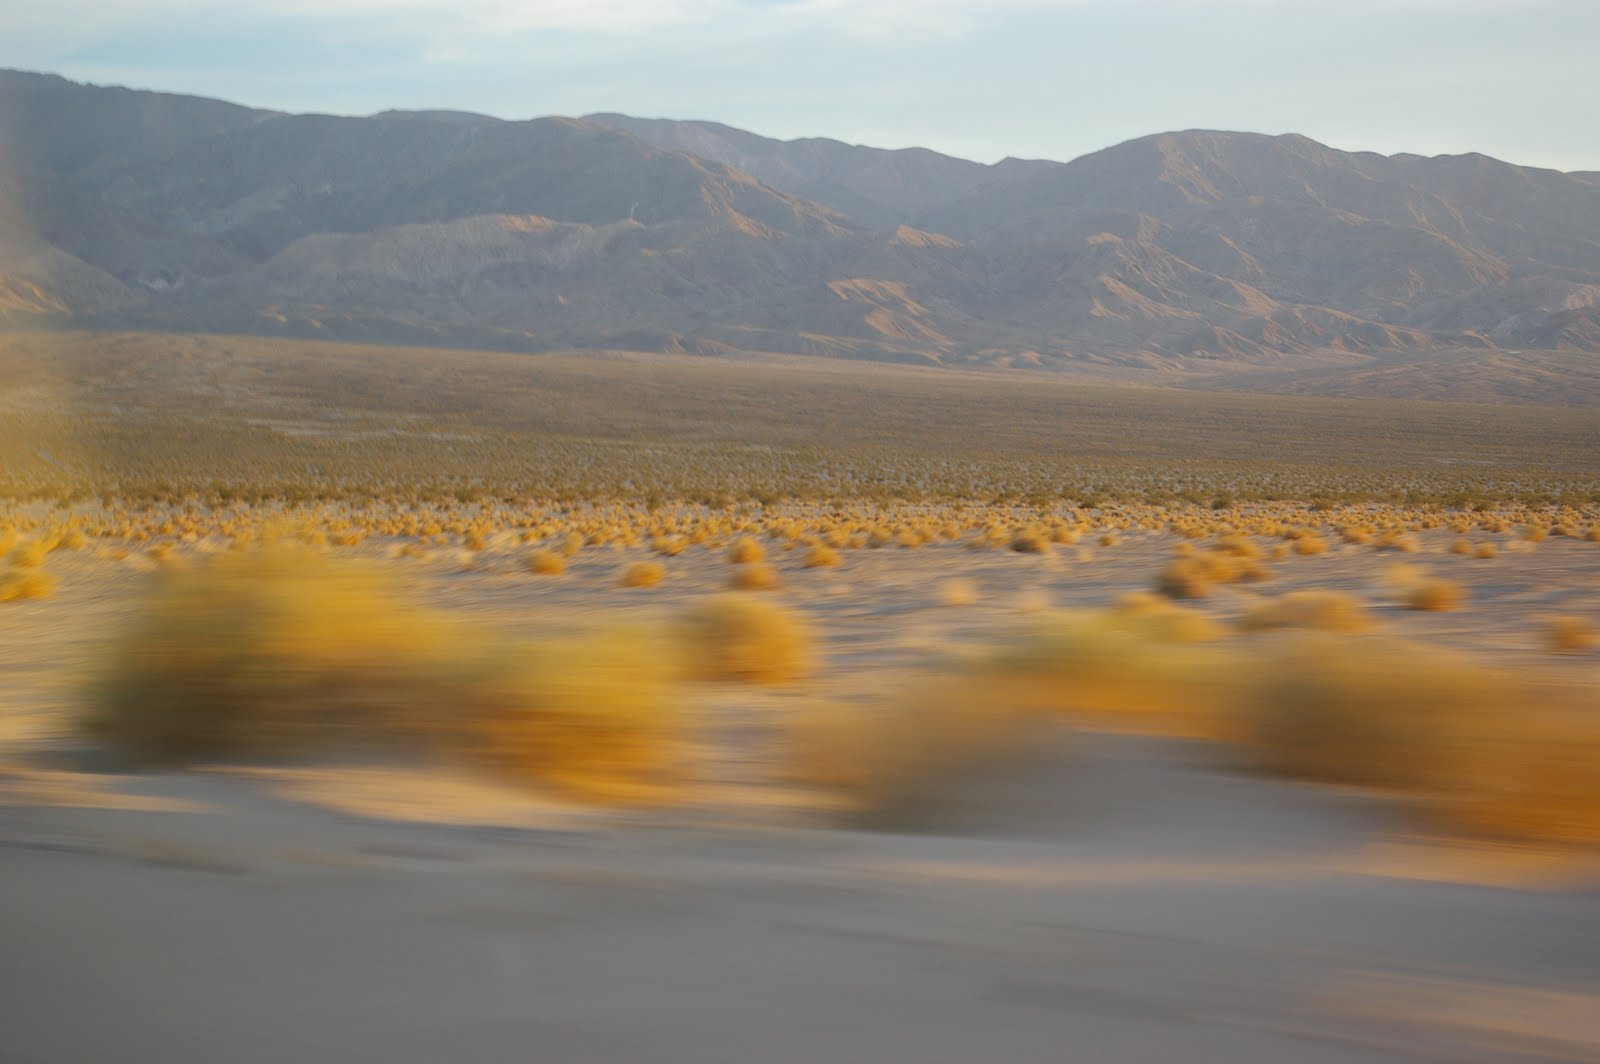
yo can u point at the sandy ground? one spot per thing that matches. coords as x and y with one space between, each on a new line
1117 899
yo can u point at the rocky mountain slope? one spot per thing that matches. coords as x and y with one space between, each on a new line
1192 251
876 187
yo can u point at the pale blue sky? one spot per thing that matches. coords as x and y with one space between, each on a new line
1518 79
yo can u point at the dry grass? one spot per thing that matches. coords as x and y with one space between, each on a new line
749 639
472 425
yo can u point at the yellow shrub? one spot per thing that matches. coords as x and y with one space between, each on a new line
746 551
546 563
1469 745
283 651
1238 545
1309 545
1366 711
1435 595
1030 540
1536 776
1186 578
643 574
1399 541
1569 634
822 556
1328 611
1127 669
1194 574
266 652
27 584
598 717
754 577
1163 621
737 637
904 755
30 555
671 546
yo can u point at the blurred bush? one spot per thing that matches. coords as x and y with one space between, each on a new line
915 749
741 637
1506 753
1327 611
599 717
1138 666
282 651
1366 711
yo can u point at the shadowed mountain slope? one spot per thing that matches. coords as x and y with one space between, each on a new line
878 187
1197 252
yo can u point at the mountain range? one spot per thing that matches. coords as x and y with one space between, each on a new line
1186 252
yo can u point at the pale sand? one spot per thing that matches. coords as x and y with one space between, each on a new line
1128 899
1136 902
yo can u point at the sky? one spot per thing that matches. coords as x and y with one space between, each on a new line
981 79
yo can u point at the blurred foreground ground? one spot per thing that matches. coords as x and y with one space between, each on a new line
1120 898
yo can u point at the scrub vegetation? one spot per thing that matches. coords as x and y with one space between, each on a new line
314 540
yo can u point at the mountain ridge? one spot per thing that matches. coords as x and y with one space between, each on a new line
1181 252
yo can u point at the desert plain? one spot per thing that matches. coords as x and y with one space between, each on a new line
829 712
